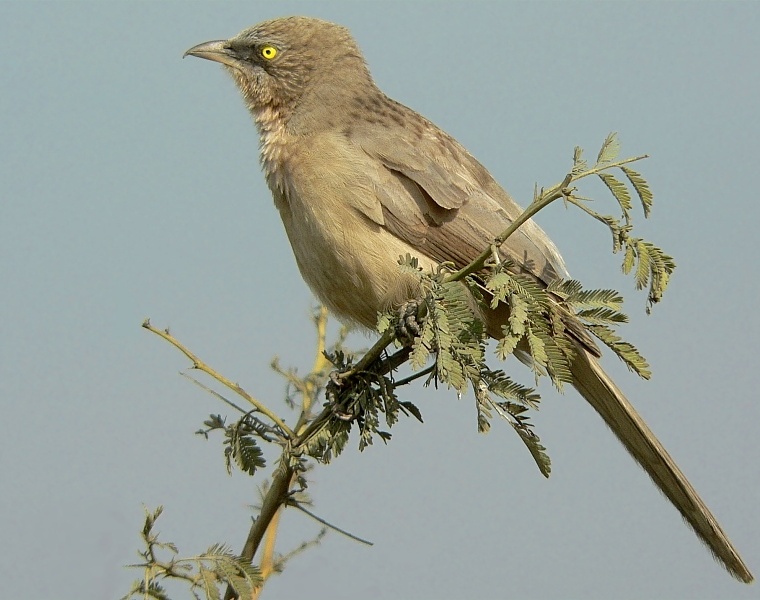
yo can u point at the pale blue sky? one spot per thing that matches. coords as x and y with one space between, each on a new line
130 187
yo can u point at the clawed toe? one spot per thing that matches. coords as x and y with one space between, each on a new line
409 324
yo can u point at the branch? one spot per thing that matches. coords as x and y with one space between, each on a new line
385 366
276 497
201 366
320 360
309 389
373 354
279 564
214 393
330 525
547 197
267 563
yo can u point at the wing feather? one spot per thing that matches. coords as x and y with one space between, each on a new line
440 200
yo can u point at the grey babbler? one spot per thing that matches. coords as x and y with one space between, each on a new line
360 180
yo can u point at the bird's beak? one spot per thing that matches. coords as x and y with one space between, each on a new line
218 51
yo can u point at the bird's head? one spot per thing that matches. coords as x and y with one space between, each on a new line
277 63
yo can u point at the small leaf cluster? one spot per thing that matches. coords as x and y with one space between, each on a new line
516 400
206 573
451 331
367 400
599 312
652 266
537 324
453 335
240 446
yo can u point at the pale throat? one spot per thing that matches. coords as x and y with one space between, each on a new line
273 145
270 122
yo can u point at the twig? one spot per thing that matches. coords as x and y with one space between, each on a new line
608 165
374 353
330 525
547 197
267 562
279 564
309 388
413 377
205 388
320 360
201 366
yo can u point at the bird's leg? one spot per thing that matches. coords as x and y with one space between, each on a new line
495 255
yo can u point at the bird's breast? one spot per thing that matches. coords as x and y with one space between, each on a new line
348 260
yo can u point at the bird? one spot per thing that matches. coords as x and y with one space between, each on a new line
360 180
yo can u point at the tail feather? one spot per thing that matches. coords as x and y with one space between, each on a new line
602 393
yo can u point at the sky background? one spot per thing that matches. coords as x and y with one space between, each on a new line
130 188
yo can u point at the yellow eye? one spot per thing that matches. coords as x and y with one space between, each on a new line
269 52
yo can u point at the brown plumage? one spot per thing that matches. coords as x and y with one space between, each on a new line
360 180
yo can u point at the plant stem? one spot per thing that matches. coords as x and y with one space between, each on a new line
547 197
309 388
331 526
385 366
371 355
201 366
275 498
266 564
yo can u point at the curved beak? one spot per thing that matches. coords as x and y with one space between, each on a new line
217 50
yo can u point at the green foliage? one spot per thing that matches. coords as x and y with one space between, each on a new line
535 324
243 449
609 151
240 444
652 265
516 401
369 400
205 573
599 312
624 350
642 189
329 441
457 334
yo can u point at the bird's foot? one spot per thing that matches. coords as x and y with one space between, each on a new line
409 323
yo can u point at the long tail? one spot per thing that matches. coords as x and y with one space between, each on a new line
600 391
